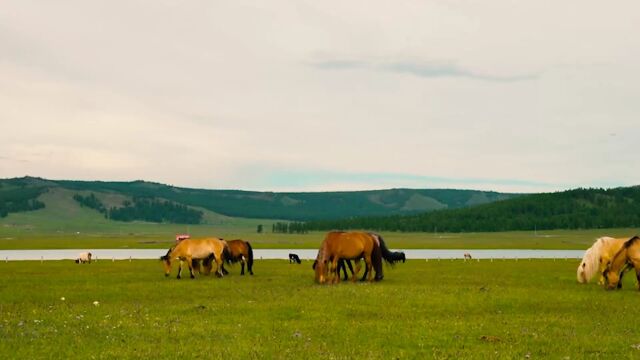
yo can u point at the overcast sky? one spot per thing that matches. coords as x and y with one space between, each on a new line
523 96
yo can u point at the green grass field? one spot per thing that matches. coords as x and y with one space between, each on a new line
162 236
435 309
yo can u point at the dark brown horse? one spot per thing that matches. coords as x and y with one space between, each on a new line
354 245
242 252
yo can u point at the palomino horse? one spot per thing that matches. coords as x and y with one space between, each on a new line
347 245
241 251
196 249
627 258
597 257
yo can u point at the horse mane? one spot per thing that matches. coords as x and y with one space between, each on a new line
166 257
589 265
631 241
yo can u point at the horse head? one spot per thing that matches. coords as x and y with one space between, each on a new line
166 262
320 267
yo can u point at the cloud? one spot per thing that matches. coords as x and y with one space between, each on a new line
425 69
445 69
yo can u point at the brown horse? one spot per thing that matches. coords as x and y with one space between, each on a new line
240 251
627 258
349 246
196 249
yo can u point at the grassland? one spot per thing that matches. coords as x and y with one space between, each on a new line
147 235
436 309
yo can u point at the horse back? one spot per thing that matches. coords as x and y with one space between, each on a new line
349 245
198 248
238 248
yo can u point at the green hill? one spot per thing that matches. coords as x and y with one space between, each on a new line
147 201
573 209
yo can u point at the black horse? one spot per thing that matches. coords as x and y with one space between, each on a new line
293 258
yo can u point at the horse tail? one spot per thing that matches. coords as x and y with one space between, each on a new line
249 256
387 255
376 259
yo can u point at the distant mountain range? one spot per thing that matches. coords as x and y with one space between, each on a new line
142 200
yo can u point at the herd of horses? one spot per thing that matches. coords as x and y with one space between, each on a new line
209 251
336 252
610 258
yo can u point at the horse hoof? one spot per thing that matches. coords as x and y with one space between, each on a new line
166 275
193 277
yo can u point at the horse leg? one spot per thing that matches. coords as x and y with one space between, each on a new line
354 275
367 261
242 266
179 269
333 268
343 268
190 263
219 266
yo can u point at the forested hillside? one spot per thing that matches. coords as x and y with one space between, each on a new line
251 204
573 209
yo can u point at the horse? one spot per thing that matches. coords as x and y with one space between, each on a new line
197 249
294 258
241 251
625 259
391 257
467 256
346 245
84 257
595 259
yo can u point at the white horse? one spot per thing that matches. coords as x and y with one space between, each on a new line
596 258
84 257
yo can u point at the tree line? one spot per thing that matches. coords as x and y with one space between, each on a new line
14 200
572 209
144 209
289 228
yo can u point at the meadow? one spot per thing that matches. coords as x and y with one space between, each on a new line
436 309
144 235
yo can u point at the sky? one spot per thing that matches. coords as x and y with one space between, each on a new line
512 96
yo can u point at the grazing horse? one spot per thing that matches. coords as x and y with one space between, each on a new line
294 258
391 257
627 258
241 251
84 257
349 246
597 257
467 256
197 249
